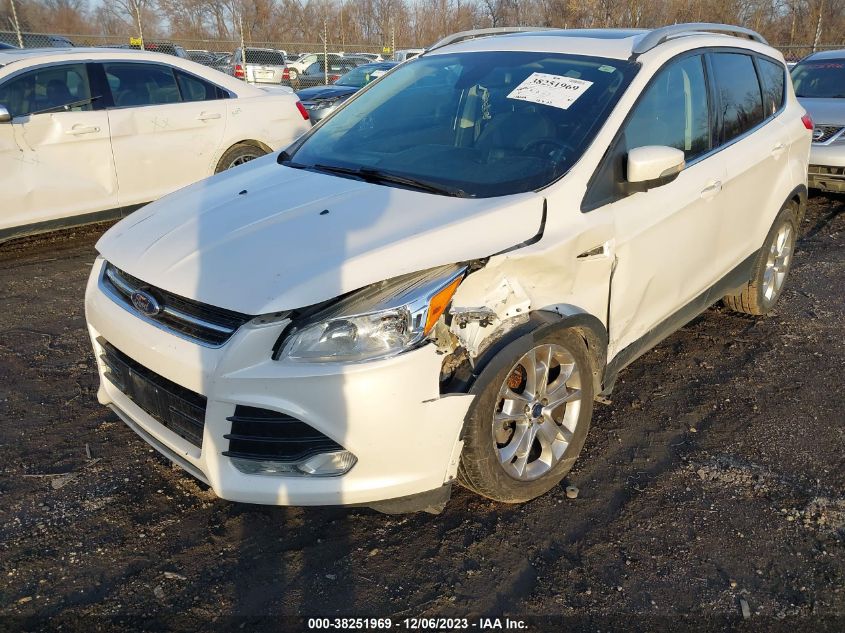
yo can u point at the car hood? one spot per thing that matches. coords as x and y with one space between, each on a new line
264 238
326 92
825 111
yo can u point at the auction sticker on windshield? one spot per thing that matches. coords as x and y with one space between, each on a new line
551 90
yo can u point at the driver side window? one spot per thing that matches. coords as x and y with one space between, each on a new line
47 88
673 111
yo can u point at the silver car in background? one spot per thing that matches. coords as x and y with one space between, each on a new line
819 82
259 65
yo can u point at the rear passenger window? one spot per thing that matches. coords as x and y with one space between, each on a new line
772 76
739 93
195 89
141 84
673 111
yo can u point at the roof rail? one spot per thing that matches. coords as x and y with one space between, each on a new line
497 30
658 36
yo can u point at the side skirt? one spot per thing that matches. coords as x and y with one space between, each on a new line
25 230
735 279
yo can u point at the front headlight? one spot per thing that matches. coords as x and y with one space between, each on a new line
325 103
378 321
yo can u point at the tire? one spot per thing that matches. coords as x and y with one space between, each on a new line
238 155
486 466
771 268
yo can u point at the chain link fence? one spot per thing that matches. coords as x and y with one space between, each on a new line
294 64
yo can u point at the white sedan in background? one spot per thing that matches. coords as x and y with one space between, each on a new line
92 134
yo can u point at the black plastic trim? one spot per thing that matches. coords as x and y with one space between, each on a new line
25 230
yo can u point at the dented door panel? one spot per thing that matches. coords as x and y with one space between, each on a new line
161 148
55 166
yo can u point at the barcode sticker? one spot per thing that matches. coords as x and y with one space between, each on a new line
556 91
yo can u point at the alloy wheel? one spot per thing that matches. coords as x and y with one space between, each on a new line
777 262
537 412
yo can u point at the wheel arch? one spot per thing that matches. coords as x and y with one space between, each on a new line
798 195
230 145
518 339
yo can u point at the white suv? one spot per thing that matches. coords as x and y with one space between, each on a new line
435 283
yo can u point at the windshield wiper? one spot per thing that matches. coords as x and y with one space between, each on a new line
375 175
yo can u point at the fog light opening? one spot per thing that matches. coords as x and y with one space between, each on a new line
322 465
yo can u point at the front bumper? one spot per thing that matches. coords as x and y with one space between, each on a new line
827 168
388 413
318 114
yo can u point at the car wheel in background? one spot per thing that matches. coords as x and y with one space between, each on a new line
529 420
238 155
772 267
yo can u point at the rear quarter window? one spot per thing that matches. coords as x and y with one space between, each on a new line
773 78
740 98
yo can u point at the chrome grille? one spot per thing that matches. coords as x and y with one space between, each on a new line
823 133
199 322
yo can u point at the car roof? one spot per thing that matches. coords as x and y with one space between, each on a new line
836 54
610 42
33 56
376 66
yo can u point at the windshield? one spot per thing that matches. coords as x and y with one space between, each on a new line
822 79
361 76
481 123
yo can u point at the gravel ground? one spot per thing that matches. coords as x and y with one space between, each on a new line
711 491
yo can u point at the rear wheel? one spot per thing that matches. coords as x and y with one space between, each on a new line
529 421
238 155
771 269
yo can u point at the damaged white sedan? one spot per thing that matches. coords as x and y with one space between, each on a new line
435 283
91 134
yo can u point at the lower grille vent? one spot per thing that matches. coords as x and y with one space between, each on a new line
261 434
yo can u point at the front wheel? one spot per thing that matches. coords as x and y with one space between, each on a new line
771 269
529 421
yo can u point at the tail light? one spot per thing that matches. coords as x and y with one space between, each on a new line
239 71
302 110
807 120
286 75
334 78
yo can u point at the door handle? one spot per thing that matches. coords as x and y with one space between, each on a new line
711 189
778 149
76 130
208 116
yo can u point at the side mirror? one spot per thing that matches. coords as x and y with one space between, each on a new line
653 166
5 117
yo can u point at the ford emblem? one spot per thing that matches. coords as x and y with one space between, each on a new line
145 303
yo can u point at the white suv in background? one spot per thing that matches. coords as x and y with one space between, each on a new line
435 283
91 134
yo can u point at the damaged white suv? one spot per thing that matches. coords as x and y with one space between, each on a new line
435 283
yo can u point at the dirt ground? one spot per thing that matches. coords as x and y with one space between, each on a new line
713 484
